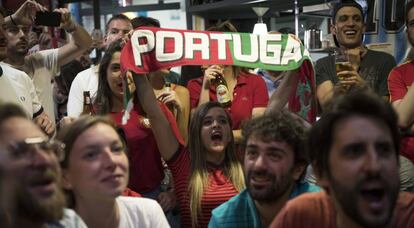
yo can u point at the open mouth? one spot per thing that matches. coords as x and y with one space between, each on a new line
22 43
375 194
120 85
217 137
3 42
260 180
350 32
44 186
374 197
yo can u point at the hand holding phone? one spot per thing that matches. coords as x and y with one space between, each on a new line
48 18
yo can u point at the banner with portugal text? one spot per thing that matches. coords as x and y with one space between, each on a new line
151 49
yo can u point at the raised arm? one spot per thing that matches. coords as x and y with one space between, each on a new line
79 43
25 14
280 97
166 140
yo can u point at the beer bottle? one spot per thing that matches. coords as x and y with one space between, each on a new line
87 104
167 88
222 91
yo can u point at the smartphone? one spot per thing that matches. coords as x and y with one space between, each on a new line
48 18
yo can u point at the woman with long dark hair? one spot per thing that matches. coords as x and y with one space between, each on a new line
147 171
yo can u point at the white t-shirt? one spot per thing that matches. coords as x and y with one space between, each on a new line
42 66
70 220
86 80
17 87
140 212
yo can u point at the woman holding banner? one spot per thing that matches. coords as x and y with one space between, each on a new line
207 173
147 171
248 92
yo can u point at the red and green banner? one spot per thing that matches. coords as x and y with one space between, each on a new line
151 49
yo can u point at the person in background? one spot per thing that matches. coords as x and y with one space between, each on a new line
176 97
207 173
275 162
354 150
17 87
42 66
116 28
189 72
33 162
147 171
370 68
248 92
62 84
400 83
95 173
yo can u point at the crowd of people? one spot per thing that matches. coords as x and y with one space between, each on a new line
68 158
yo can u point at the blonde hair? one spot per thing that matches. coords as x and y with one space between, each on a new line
198 179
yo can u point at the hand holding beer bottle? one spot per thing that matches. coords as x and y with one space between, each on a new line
213 75
88 108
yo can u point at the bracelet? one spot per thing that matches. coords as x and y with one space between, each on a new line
11 19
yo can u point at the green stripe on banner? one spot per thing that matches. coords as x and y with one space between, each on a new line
151 49
286 54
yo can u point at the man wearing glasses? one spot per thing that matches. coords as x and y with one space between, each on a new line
33 160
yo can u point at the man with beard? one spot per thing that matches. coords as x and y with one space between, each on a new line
400 84
42 66
354 151
365 68
274 164
33 161
15 85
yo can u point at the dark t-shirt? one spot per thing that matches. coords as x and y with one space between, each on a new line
374 69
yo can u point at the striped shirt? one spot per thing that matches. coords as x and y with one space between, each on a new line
219 189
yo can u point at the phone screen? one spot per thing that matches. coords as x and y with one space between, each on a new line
48 18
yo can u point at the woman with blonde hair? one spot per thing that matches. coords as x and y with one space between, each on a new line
207 173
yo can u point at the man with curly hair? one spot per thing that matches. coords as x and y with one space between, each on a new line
274 165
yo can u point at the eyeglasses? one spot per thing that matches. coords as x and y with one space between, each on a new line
26 149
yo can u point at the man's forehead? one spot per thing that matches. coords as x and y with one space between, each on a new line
260 137
18 128
120 24
11 26
410 15
349 11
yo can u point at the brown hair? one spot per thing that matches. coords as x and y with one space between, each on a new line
198 179
70 133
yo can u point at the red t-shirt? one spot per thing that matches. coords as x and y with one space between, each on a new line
130 193
146 169
250 92
219 190
317 210
399 80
